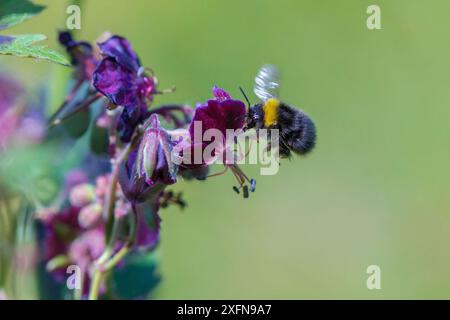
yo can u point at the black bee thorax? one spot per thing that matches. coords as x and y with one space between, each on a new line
256 117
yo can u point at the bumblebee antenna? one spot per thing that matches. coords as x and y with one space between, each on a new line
245 96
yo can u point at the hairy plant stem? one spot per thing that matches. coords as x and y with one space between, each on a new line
128 245
108 265
108 212
95 285
106 262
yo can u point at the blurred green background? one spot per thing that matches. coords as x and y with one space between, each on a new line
376 189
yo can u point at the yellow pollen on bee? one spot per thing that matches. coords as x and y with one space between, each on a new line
270 109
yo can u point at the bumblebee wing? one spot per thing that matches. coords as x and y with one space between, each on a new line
267 82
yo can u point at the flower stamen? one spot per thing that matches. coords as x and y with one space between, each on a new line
242 178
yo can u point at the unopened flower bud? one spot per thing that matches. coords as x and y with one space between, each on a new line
154 161
82 195
90 215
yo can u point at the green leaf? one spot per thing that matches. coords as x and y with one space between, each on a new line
99 140
13 12
136 278
78 124
49 288
22 46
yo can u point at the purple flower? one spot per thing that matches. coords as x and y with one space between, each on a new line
121 78
121 51
153 160
143 178
221 113
149 167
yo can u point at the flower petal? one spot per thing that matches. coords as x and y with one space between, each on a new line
148 226
220 94
121 50
234 112
130 118
116 82
210 116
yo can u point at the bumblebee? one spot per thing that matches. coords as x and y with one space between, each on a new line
297 132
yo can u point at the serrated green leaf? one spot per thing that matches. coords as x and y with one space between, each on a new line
13 12
22 46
